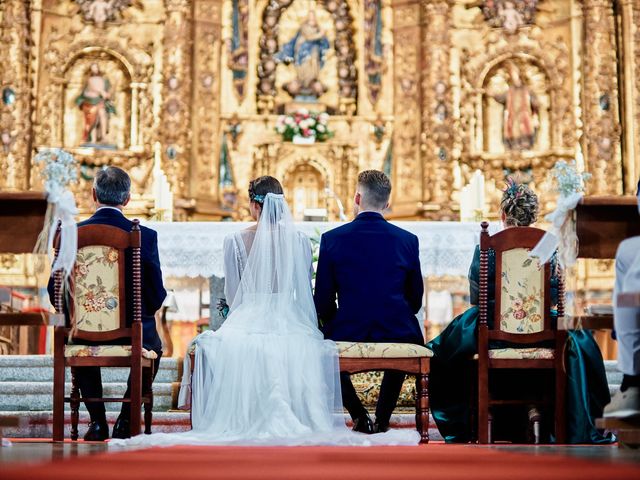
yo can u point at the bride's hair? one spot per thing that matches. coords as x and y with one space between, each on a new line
259 188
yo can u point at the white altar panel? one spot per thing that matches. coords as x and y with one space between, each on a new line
194 249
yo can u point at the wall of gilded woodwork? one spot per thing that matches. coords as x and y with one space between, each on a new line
429 90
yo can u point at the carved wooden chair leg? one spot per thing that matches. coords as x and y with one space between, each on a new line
422 407
148 405
58 404
75 405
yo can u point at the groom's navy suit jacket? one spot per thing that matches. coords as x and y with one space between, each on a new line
153 292
373 269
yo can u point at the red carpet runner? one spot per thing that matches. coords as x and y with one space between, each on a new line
434 461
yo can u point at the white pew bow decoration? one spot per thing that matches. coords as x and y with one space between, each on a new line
59 170
562 235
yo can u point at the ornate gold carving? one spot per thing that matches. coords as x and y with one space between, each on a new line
600 108
205 119
437 123
176 112
407 168
337 164
15 101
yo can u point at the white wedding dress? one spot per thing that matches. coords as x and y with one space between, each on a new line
267 376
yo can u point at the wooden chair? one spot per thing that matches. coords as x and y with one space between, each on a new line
522 315
404 357
97 311
367 357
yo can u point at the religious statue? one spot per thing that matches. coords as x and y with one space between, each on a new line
307 50
96 105
521 123
509 14
102 11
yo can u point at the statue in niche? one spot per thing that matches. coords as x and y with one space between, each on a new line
96 105
307 51
509 14
102 11
521 122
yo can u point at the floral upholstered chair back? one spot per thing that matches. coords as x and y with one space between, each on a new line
522 292
97 280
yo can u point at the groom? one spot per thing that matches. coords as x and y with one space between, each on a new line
373 269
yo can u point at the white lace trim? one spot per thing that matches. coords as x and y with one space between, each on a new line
194 249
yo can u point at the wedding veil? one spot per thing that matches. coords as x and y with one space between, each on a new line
277 272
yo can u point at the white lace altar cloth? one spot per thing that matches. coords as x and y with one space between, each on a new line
194 249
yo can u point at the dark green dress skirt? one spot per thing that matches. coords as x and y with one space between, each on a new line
453 372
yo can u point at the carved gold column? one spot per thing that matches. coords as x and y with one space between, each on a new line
15 95
437 132
600 99
175 126
407 169
206 100
630 45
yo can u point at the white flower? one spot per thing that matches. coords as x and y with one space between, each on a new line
281 120
280 128
321 128
323 117
303 111
289 121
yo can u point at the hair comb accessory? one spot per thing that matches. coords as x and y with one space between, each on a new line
513 188
258 198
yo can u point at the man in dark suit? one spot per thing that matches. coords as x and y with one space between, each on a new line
373 269
111 193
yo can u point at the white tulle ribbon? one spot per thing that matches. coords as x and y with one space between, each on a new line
562 236
62 207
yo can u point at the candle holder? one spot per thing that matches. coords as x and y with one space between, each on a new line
478 214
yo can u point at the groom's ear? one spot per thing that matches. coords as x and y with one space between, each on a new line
357 198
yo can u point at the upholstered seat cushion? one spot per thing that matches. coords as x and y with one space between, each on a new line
382 350
520 354
104 351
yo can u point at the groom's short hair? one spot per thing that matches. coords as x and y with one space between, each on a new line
112 185
375 188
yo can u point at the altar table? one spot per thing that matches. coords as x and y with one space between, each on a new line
194 249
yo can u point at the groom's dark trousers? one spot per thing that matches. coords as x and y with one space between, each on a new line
153 293
372 268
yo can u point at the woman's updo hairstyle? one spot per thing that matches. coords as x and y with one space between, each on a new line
519 204
259 188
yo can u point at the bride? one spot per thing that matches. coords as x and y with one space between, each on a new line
267 376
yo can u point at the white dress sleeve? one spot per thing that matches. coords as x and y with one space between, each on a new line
232 269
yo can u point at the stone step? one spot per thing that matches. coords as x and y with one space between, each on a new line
39 368
39 424
38 396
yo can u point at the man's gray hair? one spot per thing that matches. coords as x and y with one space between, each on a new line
375 188
112 186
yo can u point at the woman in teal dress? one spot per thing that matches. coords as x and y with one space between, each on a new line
453 371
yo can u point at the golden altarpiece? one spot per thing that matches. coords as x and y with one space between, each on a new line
428 90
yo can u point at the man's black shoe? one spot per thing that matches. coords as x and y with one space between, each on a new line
363 424
122 428
98 432
380 427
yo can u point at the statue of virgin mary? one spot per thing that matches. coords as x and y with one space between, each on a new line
306 50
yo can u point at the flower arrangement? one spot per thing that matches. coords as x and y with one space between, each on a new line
568 180
304 124
60 169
